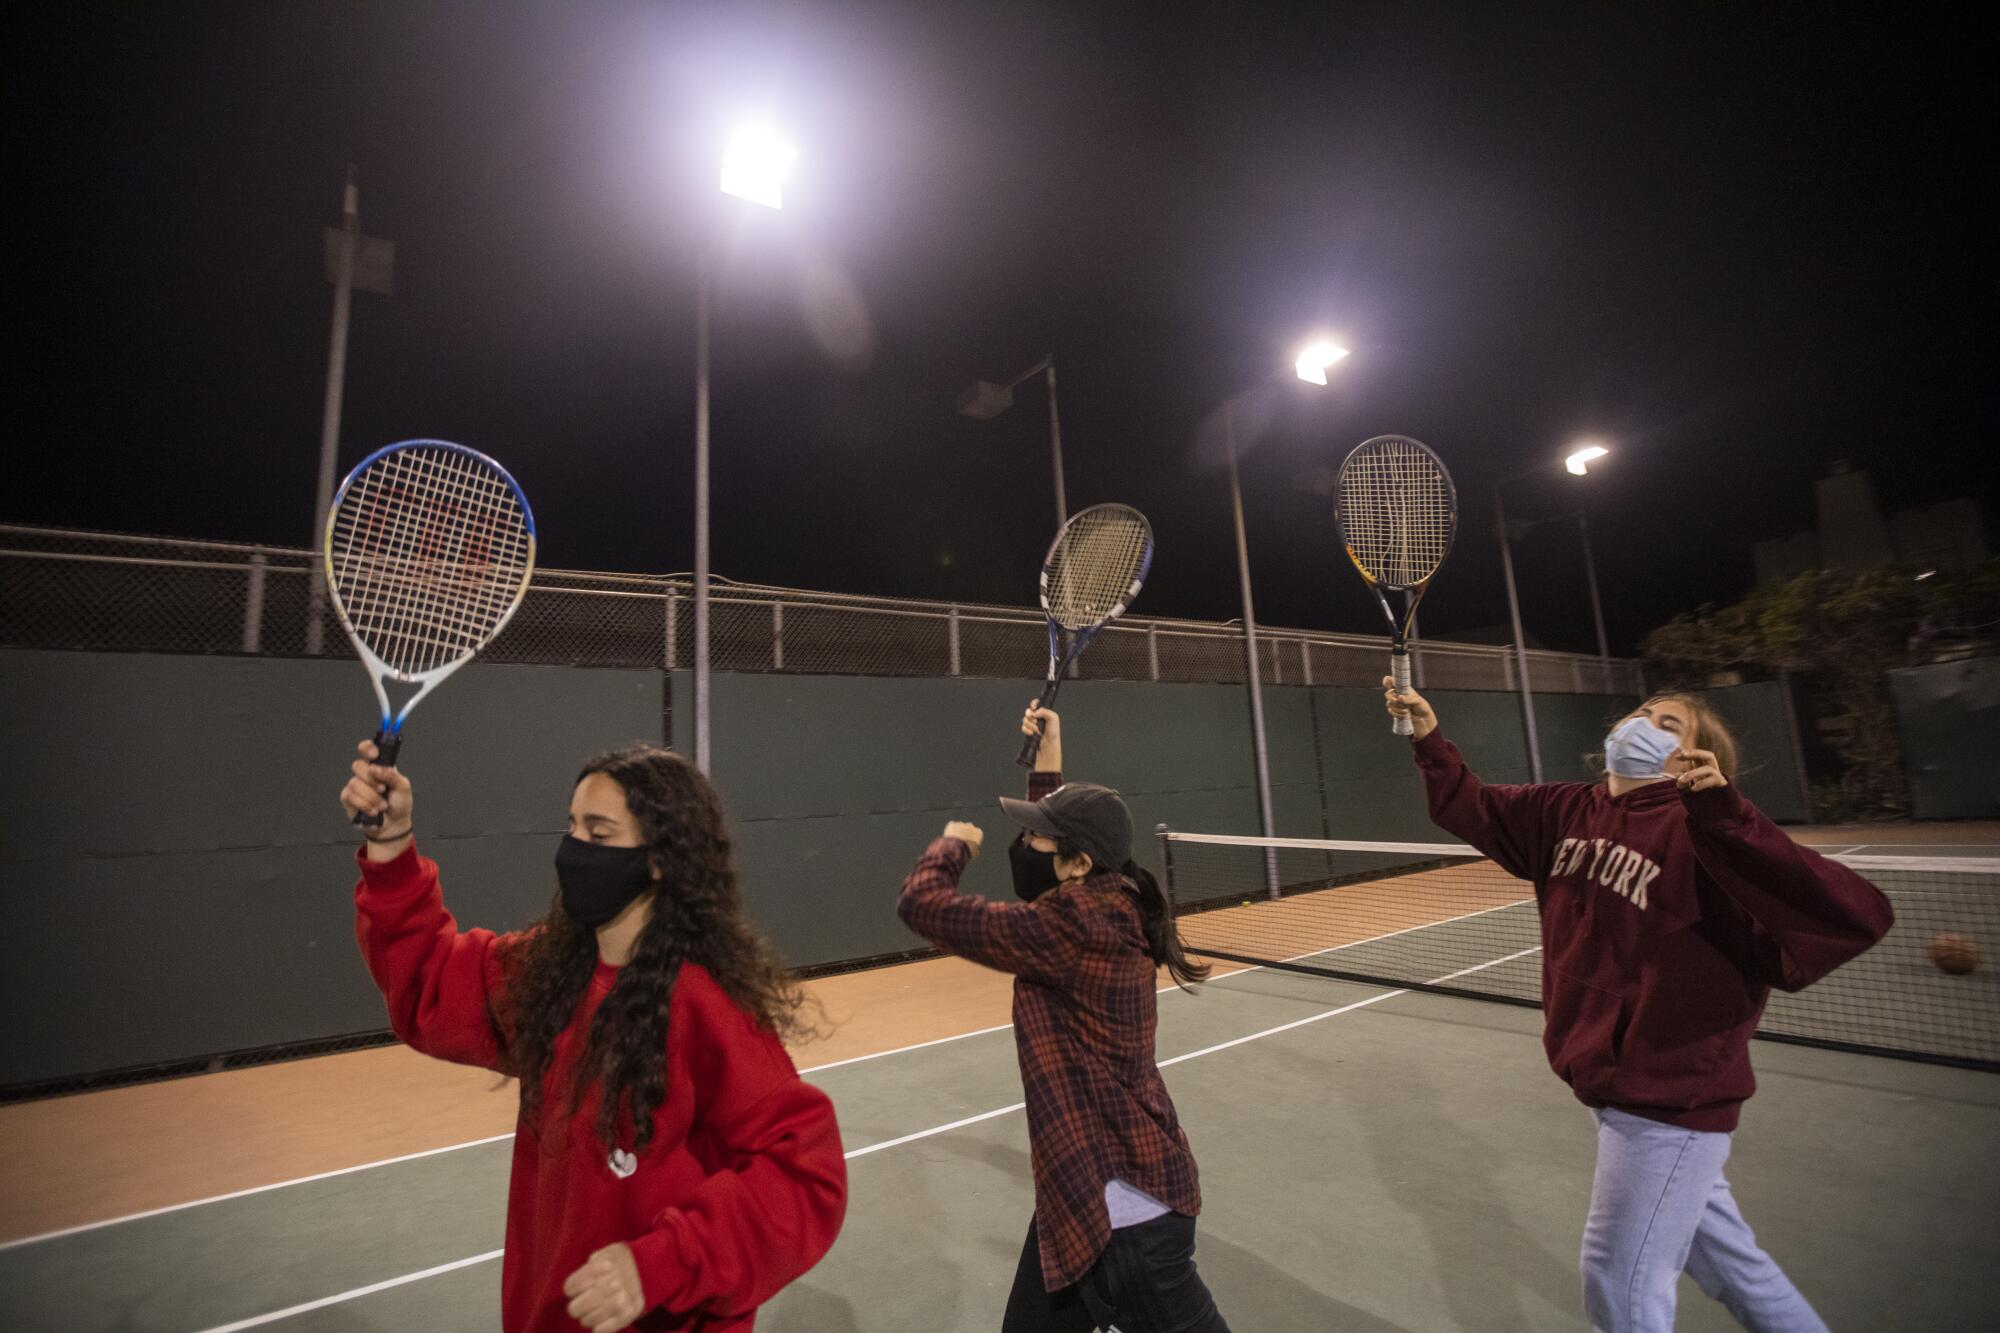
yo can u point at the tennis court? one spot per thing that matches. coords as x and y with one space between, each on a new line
1373 1158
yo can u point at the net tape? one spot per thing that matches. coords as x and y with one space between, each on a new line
1396 511
430 552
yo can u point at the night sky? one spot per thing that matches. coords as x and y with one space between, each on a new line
1735 246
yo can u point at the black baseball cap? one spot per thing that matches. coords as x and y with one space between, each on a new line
1088 817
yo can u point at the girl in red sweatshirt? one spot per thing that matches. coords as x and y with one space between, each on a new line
1669 907
671 1170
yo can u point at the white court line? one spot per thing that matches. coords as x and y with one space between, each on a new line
356 1294
325 1301
1373 939
914 1046
1935 865
433 1152
411 1157
500 1138
254 1189
1348 1008
937 1129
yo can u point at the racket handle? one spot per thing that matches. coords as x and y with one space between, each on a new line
1032 745
1399 671
388 744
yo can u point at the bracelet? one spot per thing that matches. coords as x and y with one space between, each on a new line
396 838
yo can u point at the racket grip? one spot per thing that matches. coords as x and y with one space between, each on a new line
388 744
1399 672
1032 745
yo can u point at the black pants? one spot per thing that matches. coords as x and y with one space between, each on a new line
1144 1282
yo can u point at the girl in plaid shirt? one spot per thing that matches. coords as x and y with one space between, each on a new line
1116 1192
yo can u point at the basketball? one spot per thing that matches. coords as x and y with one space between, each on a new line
1953 953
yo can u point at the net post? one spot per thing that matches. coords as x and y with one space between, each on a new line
777 636
951 634
1306 660
253 606
1153 655
1166 863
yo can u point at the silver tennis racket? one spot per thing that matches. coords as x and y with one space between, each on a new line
429 548
1397 511
1091 574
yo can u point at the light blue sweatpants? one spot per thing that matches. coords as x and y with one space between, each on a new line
1660 1206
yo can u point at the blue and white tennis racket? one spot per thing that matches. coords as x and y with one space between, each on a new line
1091 574
429 548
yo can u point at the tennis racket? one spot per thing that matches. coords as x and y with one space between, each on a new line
1397 511
1091 574
429 547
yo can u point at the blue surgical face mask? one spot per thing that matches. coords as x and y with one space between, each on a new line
1638 749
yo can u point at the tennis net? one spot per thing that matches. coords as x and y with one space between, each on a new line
1440 917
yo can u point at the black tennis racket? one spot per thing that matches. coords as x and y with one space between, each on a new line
1091 574
1397 511
429 548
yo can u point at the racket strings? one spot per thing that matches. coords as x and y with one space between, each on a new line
1093 570
429 555
1396 511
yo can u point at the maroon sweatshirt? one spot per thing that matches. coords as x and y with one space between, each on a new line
1667 916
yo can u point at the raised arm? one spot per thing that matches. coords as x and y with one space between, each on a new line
1040 940
436 979
1049 758
1515 825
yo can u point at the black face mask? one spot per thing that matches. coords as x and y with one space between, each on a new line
599 882
1034 872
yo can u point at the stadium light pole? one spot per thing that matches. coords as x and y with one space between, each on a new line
985 400
1577 464
1259 746
1311 366
352 260
754 167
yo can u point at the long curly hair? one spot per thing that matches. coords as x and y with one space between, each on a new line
697 917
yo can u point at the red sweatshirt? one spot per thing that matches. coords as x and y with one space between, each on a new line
1666 917
742 1188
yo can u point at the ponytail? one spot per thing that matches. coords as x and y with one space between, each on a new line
1163 936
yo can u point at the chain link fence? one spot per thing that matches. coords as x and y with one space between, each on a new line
67 589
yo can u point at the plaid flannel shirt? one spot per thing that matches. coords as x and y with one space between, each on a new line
1086 1006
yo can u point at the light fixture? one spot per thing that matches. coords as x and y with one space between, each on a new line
1315 359
756 164
1580 461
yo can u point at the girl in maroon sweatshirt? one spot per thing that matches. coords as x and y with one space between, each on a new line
671 1171
1669 907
